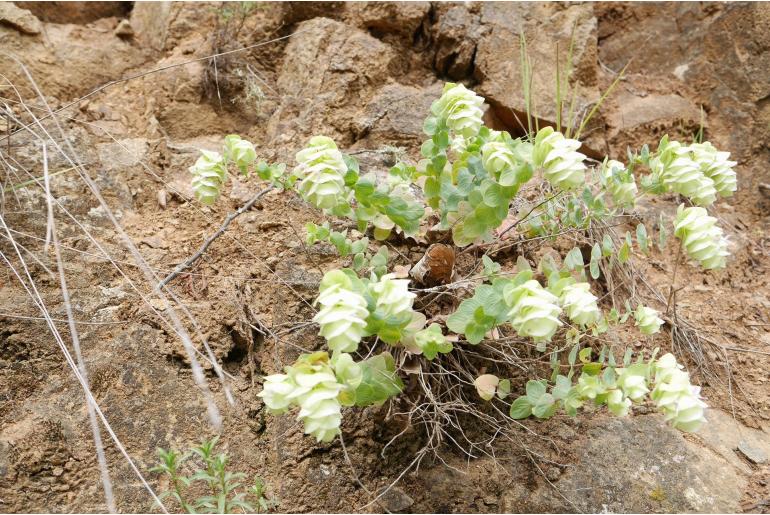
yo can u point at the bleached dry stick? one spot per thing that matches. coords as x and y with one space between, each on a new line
222 228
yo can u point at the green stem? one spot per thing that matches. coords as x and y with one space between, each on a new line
178 489
223 489
24 184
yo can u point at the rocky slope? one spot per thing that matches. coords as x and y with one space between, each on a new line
364 74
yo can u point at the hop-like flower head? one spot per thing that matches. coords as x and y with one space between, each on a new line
321 170
316 394
580 304
431 341
647 320
619 182
534 311
393 298
209 174
676 169
591 386
665 366
689 413
678 399
343 312
703 240
240 151
716 166
562 165
632 383
617 403
276 392
704 193
500 160
460 108
311 384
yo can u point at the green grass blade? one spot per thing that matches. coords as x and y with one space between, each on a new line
600 102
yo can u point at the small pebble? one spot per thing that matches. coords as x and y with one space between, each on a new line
124 29
162 198
753 453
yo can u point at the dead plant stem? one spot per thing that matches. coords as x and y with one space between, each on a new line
206 244
672 287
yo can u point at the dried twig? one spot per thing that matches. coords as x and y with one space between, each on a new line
195 257
672 288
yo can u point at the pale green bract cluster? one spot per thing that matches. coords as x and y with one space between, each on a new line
624 387
394 300
209 175
461 110
431 342
632 383
496 157
312 385
703 241
620 183
508 166
675 168
631 386
678 399
717 166
580 304
240 152
534 311
321 173
343 313
647 320
562 165
697 171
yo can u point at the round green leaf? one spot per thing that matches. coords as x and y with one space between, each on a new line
521 408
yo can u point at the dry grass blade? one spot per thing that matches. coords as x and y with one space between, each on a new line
204 214
73 159
598 104
106 482
51 235
29 286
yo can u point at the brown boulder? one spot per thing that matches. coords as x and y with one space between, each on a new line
21 19
717 49
455 36
78 13
396 114
328 72
387 17
548 28
150 23
66 63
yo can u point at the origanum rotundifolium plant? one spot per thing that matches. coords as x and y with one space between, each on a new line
467 186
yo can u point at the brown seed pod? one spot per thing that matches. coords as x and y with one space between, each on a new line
436 266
